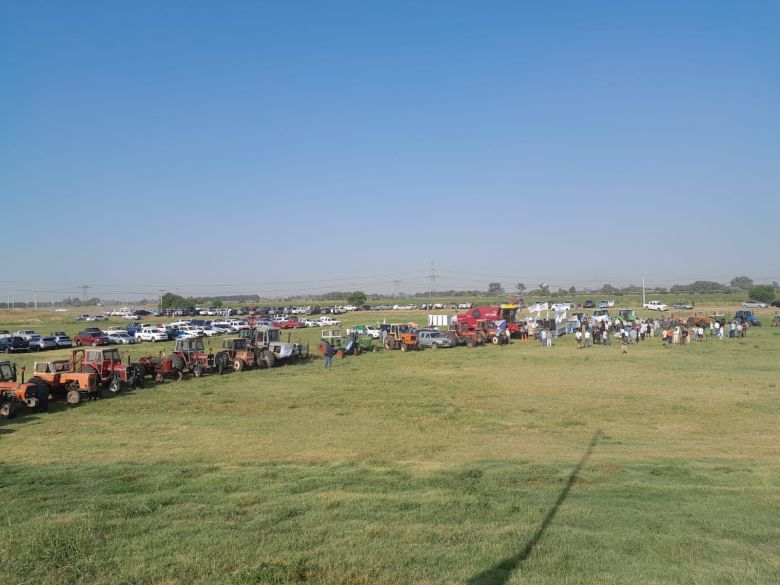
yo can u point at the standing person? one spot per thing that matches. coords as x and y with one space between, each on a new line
587 338
716 329
578 337
624 338
328 355
549 337
542 336
383 335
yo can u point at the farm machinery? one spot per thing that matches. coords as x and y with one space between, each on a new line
401 337
60 378
505 312
353 344
487 330
626 317
460 333
107 364
235 353
13 393
269 349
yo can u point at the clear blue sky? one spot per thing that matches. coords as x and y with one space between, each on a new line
304 146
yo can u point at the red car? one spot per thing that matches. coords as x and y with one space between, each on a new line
288 323
91 338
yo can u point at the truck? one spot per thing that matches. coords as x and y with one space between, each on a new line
656 306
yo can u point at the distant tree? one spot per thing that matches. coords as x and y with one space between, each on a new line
216 303
172 301
520 288
762 292
357 298
495 288
776 285
544 288
742 282
699 286
608 289
572 290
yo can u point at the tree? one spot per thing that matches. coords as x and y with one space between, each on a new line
495 288
520 288
762 292
572 290
545 288
357 298
608 289
172 301
742 282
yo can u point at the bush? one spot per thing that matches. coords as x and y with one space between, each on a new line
763 292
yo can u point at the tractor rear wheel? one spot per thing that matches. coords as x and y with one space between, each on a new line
496 340
389 343
238 364
404 347
269 358
179 375
73 397
114 386
469 342
7 410
41 393
177 363
136 378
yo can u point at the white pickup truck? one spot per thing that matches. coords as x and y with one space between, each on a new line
656 306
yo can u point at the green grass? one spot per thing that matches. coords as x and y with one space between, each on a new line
496 465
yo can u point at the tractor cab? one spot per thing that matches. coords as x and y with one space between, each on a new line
235 344
52 367
189 346
7 372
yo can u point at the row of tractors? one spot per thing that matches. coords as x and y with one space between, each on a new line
88 372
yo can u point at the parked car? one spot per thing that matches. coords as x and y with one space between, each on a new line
26 334
656 306
90 337
433 339
5 333
151 334
775 303
589 304
683 305
747 316
605 304
753 304
62 339
329 322
40 343
14 344
120 337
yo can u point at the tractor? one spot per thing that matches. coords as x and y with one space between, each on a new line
460 333
235 353
189 355
13 393
107 364
159 367
353 344
269 349
626 317
401 337
487 330
59 378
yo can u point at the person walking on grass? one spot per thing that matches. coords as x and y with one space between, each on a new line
328 355
578 337
624 342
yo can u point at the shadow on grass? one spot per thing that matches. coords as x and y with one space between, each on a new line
499 573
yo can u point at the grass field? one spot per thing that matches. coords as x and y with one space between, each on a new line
495 465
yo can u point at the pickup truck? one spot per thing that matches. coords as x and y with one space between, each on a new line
329 322
656 306
90 337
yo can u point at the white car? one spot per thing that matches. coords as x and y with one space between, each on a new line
329 322
211 331
151 334
751 304
130 317
120 337
26 334
656 306
560 307
180 323
191 330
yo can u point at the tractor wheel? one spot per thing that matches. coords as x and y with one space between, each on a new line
177 363
469 342
340 354
179 375
158 378
7 410
496 340
135 376
404 347
197 371
114 386
220 362
389 343
41 393
269 358
238 364
73 397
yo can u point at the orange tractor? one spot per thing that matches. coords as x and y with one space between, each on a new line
460 333
401 337
59 377
13 393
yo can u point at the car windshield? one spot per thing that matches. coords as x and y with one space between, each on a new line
436 334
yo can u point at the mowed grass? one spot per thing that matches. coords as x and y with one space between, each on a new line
516 464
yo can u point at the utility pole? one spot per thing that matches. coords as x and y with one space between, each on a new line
397 284
644 302
35 300
84 288
432 277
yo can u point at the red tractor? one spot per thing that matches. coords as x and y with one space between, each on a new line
190 356
460 333
107 364
507 312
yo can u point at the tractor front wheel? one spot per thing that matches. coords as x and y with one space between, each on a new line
197 371
496 340
404 347
114 386
238 364
73 397
7 410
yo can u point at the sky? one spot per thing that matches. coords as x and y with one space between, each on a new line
300 147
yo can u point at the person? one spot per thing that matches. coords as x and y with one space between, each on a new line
383 335
587 338
578 337
549 337
624 341
328 355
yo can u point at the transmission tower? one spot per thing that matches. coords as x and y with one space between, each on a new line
432 278
84 288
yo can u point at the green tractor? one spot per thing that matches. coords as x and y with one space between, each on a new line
626 317
353 344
